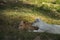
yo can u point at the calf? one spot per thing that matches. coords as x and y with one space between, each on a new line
44 27
26 26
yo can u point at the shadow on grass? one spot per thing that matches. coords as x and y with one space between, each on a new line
49 13
45 12
34 8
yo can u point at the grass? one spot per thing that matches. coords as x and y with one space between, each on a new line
37 1
28 10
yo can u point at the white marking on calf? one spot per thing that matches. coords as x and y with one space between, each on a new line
44 27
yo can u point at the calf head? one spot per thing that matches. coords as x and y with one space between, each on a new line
26 26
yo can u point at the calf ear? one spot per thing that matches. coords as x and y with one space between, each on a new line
36 20
21 23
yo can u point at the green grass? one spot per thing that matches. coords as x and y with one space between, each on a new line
30 12
37 1
12 14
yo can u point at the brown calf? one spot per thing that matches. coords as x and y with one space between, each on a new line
26 26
